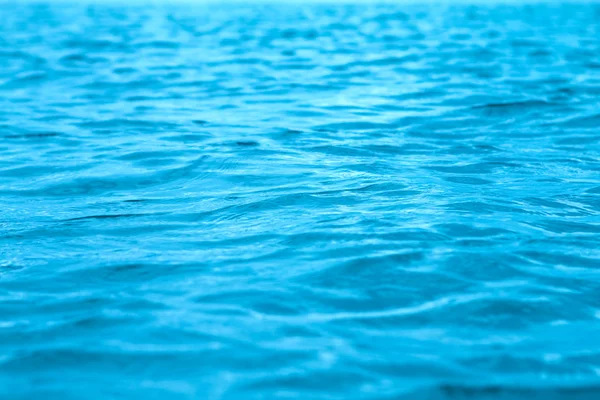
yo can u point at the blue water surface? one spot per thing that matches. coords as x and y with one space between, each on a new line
287 201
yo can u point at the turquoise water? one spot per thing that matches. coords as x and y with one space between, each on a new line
299 202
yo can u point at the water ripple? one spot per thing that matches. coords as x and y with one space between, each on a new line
349 201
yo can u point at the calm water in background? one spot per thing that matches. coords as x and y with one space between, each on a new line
309 202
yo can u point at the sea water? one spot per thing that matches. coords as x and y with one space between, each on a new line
287 201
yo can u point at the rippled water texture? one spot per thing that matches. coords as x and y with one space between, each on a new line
308 202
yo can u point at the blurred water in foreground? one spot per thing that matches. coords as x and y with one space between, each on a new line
306 202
